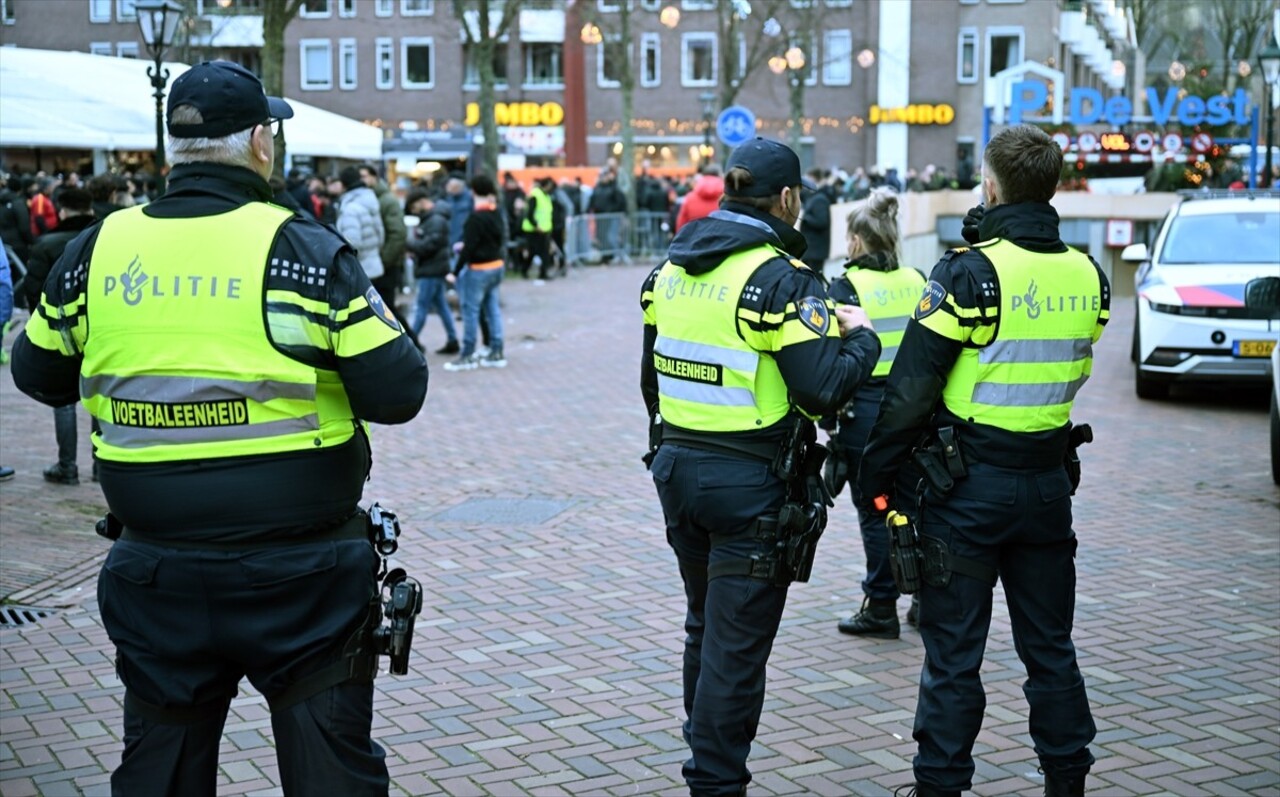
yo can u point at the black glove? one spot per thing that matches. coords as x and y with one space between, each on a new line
835 473
969 227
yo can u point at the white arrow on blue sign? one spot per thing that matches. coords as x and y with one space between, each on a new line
736 126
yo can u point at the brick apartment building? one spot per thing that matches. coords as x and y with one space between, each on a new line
894 83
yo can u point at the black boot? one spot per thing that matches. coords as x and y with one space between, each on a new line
877 619
1062 786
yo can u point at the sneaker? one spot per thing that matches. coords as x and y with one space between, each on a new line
482 351
467 363
62 474
877 620
449 348
6 474
494 359
913 614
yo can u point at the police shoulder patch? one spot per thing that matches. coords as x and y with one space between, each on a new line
930 300
812 312
380 308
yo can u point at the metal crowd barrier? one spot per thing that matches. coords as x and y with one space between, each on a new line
605 238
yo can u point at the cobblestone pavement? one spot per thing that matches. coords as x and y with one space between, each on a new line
547 658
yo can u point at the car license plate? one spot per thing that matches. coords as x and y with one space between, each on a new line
1253 348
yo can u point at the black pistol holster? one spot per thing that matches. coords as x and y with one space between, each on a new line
1079 435
792 537
940 461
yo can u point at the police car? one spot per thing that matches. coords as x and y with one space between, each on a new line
1192 321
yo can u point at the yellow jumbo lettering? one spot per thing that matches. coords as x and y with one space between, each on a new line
944 114
552 114
473 114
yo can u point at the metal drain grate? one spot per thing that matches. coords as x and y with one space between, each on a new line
12 616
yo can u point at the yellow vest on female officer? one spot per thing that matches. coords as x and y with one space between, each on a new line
1027 377
709 379
177 362
889 298
541 212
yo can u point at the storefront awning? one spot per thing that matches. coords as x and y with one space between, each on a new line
65 100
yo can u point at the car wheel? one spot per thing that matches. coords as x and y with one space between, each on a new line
1147 387
1275 438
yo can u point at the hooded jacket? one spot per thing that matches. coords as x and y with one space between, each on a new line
429 243
702 200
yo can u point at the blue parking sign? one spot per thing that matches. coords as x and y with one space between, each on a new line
736 126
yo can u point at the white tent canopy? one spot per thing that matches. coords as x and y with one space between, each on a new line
68 100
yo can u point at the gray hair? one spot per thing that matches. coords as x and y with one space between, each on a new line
232 150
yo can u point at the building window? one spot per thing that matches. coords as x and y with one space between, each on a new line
607 6
127 50
471 69
543 64
651 60
314 9
698 59
801 3
346 8
609 56
383 8
384 58
101 48
809 46
698 5
837 69
1004 49
742 56
6 12
126 10
347 63
650 5
99 10
417 62
415 8
316 64
967 56
839 3
968 2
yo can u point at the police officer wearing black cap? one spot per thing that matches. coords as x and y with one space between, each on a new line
742 349
233 353
987 372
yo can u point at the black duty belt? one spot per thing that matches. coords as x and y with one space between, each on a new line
764 451
353 528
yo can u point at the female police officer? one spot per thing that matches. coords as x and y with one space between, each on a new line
739 344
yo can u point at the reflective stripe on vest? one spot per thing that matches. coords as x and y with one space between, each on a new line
709 379
889 298
177 361
1026 379
541 213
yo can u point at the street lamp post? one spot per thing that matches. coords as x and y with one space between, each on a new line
708 99
158 22
1269 60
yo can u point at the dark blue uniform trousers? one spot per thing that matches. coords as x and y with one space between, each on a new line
711 502
853 434
188 625
1018 521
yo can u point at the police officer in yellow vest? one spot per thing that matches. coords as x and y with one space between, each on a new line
873 281
232 353
741 349
1001 342
536 227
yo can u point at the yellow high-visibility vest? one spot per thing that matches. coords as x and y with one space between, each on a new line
177 361
889 298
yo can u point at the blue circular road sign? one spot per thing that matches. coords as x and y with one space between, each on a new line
736 126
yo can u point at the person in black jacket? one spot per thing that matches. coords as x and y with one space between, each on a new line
429 245
480 268
815 223
235 354
15 219
75 216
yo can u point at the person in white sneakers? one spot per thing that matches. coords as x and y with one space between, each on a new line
478 273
